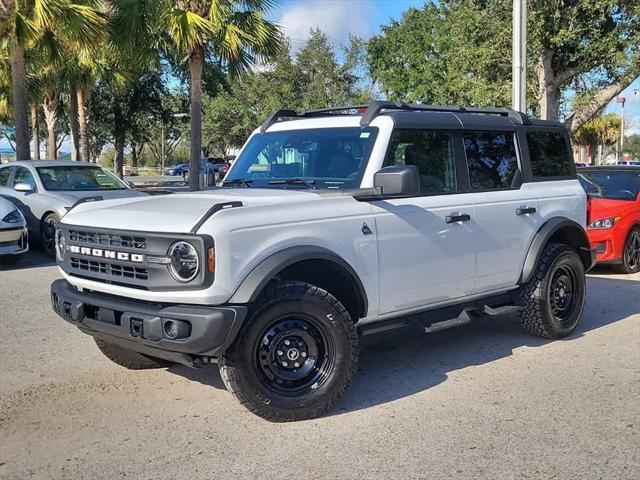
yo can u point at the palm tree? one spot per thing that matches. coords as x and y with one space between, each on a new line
233 32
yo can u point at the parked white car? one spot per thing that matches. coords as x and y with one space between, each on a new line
14 238
332 224
45 190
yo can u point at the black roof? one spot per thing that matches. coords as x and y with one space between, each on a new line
407 115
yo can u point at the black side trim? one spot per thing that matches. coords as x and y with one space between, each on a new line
211 211
258 278
552 226
95 198
430 316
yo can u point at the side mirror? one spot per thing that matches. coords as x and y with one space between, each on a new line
397 181
23 187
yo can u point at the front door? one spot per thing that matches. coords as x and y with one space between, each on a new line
426 248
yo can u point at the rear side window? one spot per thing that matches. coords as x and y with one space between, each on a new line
492 160
430 151
4 176
549 154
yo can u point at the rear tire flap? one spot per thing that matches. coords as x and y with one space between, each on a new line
241 375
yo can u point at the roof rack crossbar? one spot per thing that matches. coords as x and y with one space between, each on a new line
377 107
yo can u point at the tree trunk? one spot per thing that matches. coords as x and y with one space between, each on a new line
196 60
134 155
82 96
600 100
548 88
35 131
73 125
50 107
119 144
19 96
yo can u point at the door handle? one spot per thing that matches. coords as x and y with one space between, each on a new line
457 217
525 210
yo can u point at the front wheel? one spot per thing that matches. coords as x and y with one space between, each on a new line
297 356
631 252
48 234
554 297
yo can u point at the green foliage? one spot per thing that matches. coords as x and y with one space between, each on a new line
603 130
632 146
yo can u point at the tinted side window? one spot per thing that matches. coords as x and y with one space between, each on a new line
549 153
4 176
23 176
431 152
492 161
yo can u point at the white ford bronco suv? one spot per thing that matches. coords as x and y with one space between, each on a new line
329 225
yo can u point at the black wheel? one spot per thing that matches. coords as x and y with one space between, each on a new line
296 357
631 252
555 296
128 358
48 234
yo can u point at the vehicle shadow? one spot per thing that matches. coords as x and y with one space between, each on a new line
34 258
398 364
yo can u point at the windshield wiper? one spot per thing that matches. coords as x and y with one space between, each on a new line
294 181
245 182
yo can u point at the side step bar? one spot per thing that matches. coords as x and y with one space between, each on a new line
434 320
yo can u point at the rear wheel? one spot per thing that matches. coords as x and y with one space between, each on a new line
631 252
48 234
554 297
128 358
297 356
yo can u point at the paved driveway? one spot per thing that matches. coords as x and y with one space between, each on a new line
479 401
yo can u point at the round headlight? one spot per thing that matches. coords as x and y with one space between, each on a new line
184 264
61 245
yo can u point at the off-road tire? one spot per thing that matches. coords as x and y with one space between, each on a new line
128 358
629 264
537 317
48 234
240 367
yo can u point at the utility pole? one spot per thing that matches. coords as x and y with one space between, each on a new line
621 100
519 59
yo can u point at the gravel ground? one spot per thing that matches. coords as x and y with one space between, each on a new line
479 401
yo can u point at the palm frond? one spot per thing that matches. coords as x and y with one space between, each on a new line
188 29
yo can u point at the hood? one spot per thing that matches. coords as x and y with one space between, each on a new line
176 213
72 197
605 207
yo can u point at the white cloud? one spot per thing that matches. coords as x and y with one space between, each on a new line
336 18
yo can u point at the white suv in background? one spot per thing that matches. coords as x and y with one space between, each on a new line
331 224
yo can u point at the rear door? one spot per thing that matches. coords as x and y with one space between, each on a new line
506 214
426 248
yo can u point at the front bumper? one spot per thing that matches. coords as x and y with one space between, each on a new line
141 326
14 241
606 245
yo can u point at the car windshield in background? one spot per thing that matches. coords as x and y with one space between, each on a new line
309 158
78 178
618 185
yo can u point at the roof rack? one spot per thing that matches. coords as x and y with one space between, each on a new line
288 114
375 108
371 111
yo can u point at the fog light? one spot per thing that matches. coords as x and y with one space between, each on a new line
174 329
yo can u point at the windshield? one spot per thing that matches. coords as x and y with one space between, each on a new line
310 158
623 185
78 178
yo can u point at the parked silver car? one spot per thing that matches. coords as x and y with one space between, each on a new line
14 238
45 190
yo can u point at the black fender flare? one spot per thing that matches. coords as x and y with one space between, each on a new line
258 278
579 240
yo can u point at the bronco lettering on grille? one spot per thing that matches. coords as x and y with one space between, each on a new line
100 253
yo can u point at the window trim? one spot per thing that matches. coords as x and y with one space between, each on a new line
530 177
517 150
462 180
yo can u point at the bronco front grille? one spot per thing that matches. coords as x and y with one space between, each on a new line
107 239
106 268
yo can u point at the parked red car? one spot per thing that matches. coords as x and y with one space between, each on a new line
614 214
